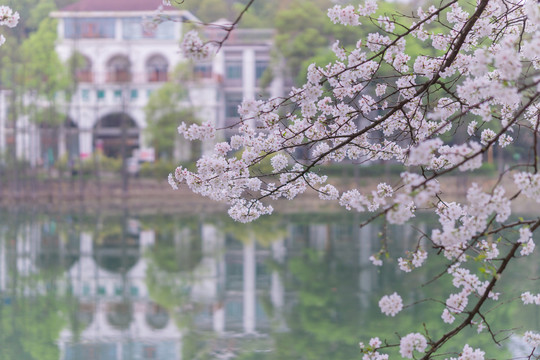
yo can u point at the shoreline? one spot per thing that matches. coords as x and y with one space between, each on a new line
156 196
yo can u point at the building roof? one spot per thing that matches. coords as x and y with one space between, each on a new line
116 5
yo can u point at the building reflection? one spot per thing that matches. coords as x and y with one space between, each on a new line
106 272
151 292
144 289
120 319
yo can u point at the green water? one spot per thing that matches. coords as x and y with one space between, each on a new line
111 286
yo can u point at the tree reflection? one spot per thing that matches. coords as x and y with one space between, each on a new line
323 323
175 254
30 325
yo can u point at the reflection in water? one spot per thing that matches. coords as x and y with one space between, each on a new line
169 287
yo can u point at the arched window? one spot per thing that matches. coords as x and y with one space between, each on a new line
156 316
120 315
157 69
119 69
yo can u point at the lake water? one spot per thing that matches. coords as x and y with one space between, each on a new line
121 286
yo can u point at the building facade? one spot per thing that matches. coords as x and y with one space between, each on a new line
120 62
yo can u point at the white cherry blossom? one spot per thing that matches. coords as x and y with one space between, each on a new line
391 304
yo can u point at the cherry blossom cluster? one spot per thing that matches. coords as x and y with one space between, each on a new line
461 223
194 48
529 184
489 249
377 103
532 338
529 298
8 18
370 352
469 284
410 343
469 353
376 260
348 15
200 132
391 304
415 260
526 241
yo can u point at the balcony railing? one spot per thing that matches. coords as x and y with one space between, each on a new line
146 77
157 76
118 76
84 76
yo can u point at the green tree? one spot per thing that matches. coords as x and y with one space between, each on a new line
212 10
44 73
62 3
324 322
299 33
166 109
30 329
304 33
39 12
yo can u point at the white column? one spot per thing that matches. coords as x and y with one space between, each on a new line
209 240
85 143
218 319
249 287
206 287
147 238
118 29
219 254
22 140
365 251
248 74
218 95
100 321
277 85
35 144
99 68
119 352
62 149
277 292
3 115
60 29
177 30
218 65
318 236
62 343
86 244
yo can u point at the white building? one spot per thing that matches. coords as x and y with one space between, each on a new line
121 63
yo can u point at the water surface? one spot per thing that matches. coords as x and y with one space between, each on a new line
118 286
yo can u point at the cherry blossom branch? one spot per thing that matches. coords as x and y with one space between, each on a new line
370 106
8 18
435 346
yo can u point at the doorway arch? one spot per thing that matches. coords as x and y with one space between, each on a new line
108 135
